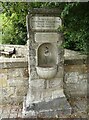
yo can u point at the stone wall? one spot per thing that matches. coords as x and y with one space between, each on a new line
76 80
13 80
21 50
14 76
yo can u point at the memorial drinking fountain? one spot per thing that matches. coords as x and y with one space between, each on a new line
45 96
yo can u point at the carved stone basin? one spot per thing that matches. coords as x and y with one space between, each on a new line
46 72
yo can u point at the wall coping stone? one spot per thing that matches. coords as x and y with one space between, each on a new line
70 57
74 58
13 63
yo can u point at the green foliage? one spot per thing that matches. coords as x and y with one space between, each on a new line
75 23
76 26
14 20
14 23
0 28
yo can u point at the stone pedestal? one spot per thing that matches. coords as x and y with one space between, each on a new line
45 97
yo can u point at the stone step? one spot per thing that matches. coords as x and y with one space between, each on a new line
53 108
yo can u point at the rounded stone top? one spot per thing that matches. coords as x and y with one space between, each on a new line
47 11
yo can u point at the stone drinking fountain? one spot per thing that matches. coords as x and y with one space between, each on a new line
47 61
45 96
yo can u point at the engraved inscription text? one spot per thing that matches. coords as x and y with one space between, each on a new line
45 23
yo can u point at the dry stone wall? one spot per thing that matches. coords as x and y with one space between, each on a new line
13 80
14 77
76 81
76 74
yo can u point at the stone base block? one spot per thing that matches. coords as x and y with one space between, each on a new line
57 107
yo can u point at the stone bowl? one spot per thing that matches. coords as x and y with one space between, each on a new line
47 72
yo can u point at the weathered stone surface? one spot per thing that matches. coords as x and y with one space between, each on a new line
1 100
3 80
21 91
58 93
80 105
46 37
36 96
53 108
76 80
8 91
1 111
38 84
76 89
3 71
10 111
19 50
13 82
25 73
13 64
60 73
17 82
72 77
83 76
75 77
32 60
47 95
45 61
76 68
55 82
33 74
45 22
73 55
32 51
